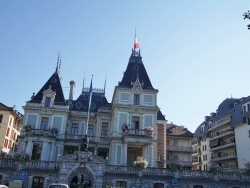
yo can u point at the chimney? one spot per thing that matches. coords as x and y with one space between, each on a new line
71 91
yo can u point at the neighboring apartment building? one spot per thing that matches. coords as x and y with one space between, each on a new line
10 126
130 126
179 145
227 133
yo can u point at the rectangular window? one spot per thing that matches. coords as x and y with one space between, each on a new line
123 119
248 107
148 100
175 142
1 118
148 120
136 99
8 131
74 129
10 121
37 151
5 143
125 97
135 125
44 123
47 101
32 120
91 132
57 123
104 130
10 144
205 147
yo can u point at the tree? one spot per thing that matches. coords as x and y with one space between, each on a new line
247 16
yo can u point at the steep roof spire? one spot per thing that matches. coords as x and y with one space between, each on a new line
83 80
58 65
136 44
105 84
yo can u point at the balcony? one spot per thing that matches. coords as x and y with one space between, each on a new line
91 138
196 143
40 132
219 123
226 133
137 132
223 145
180 148
224 156
196 152
183 163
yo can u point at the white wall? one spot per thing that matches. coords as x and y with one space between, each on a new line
242 144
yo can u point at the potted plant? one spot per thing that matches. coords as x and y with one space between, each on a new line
140 163
149 130
54 131
27 128
21 157
214 170
125 128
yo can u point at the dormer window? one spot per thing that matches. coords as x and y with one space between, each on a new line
136 99
47 101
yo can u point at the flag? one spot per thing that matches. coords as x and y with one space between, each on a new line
136 44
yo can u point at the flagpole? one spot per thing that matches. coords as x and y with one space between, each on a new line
90 98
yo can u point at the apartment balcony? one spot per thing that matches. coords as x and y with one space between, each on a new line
219 123
196 143
222 134
196 152
180 148
223 145
224 156
137 132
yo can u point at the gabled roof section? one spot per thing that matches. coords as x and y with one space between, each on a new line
135 69
54 84
4 107
160 116
11 109
180 131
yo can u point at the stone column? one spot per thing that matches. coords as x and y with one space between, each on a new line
95 152
52 152
149 154
125 150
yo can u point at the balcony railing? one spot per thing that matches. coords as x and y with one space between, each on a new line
221 134
223 145
183 163
91 138
219 123
180 148
40 132
224 156
41 165
138 132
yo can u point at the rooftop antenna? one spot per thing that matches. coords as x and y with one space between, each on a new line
83 80
58 61
105 83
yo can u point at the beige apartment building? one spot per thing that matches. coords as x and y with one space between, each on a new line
10 125
179 146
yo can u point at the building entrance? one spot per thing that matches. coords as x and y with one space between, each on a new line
80 181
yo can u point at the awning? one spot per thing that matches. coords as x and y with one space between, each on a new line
214 142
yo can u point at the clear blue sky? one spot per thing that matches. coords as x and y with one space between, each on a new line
196 52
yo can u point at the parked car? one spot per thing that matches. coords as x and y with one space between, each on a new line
3 186
57 185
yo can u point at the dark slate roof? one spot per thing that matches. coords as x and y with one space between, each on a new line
12 109
238 116
225 108
55 83
135 69
180 131
198 131
160 116
82 102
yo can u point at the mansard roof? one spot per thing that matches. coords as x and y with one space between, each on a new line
135 69
98 101
55 83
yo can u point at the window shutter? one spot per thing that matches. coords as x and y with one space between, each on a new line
57 123
148 121
123 118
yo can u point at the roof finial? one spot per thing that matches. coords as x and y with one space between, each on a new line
105 83
58 61
83 80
